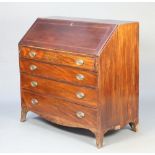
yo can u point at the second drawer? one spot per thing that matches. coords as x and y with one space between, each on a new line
58 72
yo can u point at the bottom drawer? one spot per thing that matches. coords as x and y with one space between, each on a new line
60 111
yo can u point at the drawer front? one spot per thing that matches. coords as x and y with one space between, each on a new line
60 111
59 58
86 96
57 72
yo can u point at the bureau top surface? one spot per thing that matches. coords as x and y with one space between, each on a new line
77 36
72 35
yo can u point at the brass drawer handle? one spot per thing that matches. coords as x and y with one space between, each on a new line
80 114
34 83
33 67
32 54
79 77
34 101
79 62
80 95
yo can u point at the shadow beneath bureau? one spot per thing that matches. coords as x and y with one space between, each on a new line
79 131
86 133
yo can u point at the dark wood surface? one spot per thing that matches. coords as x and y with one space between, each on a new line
59 73
78 37
50 109
119 80
59 89
111 71
59 58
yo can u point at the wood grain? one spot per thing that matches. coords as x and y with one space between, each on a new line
78 37
118 80
60 73
59 89
60 58
110 51
60 111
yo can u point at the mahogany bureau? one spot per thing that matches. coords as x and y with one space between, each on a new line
81 73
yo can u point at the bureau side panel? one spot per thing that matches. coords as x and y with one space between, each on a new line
119 78
107 81
128 68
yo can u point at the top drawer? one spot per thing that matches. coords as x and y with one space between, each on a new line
83 62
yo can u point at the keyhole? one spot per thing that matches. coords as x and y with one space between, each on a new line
71 24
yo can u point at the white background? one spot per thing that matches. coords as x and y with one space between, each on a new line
38 135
